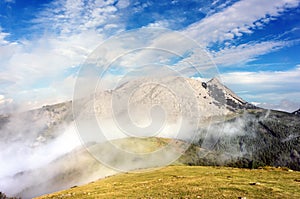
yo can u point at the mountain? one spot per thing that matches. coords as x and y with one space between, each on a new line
176 95
37 126
233 101
223 129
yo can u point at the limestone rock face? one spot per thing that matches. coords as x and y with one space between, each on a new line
176 96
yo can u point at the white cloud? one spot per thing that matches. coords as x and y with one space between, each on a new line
243 17
35 65
36 70
160 24
58 91
73 29
283 105
5 104
246 52
75 16
3 100
238 19
123 4
264 77
3 35
265 86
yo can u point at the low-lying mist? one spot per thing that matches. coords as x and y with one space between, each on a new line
26 146
42 152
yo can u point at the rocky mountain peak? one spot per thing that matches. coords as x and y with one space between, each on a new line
174 95
215 81
227 97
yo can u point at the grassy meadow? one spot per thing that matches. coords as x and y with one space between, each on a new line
191 182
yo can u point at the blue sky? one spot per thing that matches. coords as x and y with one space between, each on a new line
254 43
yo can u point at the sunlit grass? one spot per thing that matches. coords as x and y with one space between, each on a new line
192 182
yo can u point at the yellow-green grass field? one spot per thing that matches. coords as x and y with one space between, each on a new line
192 182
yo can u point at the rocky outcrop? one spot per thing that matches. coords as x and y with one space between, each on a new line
226 97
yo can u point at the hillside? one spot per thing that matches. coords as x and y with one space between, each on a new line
252 139
35 127
79 166
191 182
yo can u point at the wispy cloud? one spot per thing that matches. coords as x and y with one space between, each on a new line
65 32
123 4
5 104
262 85
241 18
265 77
284 105
3 36
32 65
75 16
248 52
234 21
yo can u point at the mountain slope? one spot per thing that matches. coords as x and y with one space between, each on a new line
37 126
225 96
253 139
80 166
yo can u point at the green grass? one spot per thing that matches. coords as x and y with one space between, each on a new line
192 182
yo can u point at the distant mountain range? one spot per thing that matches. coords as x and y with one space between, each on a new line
230 132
